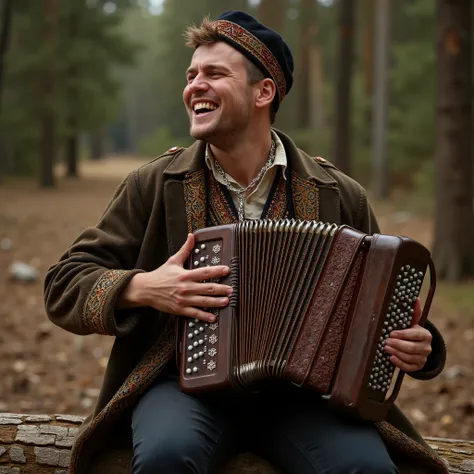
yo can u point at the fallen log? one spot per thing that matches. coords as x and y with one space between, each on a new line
41 444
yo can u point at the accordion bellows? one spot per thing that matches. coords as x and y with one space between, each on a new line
312 305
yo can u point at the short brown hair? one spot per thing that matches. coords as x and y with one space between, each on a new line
207 33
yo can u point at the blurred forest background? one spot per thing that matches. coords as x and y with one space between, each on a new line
92 88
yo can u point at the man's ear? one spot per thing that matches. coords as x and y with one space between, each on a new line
265 93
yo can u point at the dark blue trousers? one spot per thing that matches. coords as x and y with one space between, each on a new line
174 433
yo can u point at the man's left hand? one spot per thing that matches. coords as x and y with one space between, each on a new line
409 348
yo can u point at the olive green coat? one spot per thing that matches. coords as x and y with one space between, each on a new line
146 221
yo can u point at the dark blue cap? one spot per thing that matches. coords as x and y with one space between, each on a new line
261 45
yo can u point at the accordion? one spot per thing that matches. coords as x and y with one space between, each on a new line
312 304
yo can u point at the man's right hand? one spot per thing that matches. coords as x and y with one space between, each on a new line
173 289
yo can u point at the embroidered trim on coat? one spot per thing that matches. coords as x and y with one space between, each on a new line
256 48
278 207
136 383
220 211
305 198
195 200
93 309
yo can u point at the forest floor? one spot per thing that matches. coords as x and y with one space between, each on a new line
44 369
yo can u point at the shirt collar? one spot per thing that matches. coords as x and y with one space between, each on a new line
280 159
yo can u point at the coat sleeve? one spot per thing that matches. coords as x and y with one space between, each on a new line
81 289
367 222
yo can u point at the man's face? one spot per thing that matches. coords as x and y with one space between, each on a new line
218 98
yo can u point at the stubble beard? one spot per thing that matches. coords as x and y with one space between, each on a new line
221 127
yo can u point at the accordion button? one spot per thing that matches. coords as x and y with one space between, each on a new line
196 263
188 371
191 324
196 320
201 354
195 343
195 356
196 332
190 348
201 342
190 359
203 259
196 251
203 246
195 369
190 335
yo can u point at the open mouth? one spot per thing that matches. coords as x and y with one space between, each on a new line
204 108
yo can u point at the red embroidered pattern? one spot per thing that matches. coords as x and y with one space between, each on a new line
255 47
93 310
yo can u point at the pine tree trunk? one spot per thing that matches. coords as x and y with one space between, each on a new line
48 147
72 141
380 173
368 63
6 13
305 41
72 156
454 220
5 29
342 135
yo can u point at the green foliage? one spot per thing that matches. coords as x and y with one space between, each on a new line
124 72
79 48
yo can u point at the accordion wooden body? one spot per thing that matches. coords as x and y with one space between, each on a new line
312 305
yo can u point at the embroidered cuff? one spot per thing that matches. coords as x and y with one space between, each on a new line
98 313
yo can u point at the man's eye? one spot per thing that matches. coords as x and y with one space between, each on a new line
216 74
191 78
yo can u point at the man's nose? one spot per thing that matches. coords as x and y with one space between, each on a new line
199 84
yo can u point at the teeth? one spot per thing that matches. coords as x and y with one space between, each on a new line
205 105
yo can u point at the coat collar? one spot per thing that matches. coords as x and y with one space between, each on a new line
192 159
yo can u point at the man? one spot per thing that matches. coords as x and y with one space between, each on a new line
126 277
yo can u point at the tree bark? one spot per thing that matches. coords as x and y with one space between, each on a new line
306 38
342 135
48 148
454 219
72 142
72 155
6 13
380 170
368 64
40 444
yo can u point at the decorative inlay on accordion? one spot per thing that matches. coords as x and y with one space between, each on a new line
312 305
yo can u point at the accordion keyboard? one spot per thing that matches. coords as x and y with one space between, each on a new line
202 337
398 316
